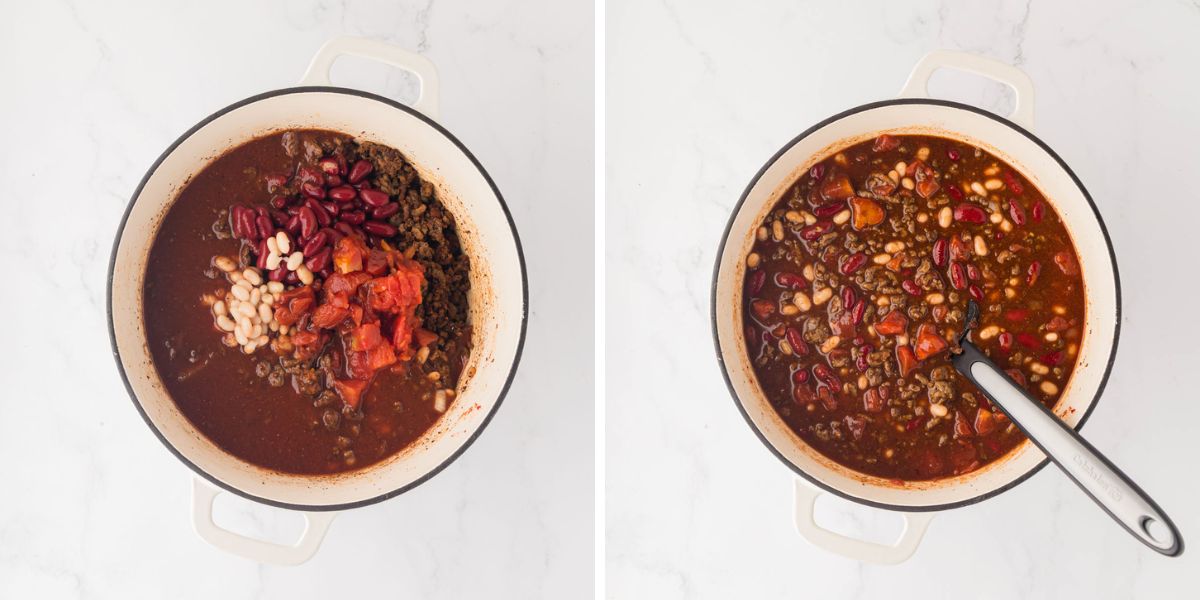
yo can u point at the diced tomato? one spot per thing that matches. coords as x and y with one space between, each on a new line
348 254
885 143
350 390
836 187
377 262
365 337
304 338
894 323
907 359
962 427
929 341
985 422
328 316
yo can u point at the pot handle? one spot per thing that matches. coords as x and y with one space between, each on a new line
1022 85
915 525
427 100
315 525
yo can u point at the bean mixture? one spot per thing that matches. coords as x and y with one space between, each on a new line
856 289
306 302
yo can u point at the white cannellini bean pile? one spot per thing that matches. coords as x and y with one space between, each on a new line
245 314
279 250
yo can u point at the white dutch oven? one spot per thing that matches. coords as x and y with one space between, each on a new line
498 294
1008 138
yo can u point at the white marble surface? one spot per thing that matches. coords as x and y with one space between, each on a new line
91 505
699 96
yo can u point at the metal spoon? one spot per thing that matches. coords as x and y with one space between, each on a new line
1120 497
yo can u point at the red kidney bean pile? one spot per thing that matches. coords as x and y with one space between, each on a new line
333 320
856 288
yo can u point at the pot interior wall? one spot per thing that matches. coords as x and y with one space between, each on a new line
496 300
1009 144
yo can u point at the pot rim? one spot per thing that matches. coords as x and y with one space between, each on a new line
729 229
520 259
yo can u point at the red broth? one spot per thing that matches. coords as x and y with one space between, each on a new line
857 286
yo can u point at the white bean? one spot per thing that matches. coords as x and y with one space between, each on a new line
268 298
250 347
264 313
255 296
295 260
246 309
240 293
945 216
224 323
244 325
225 263
252 276
272 245
255 331
306 276
283 243
219 308
240 337
262 340
275 286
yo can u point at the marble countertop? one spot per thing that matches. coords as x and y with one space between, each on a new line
92 506
699 96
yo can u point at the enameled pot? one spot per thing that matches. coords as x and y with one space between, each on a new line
1008 138
498 295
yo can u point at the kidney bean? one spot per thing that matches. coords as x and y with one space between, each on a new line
380 229
969 213
381 213
278 217
911 287
291 278
308 174
279 201
829 209
313 190
343 193
1016 212
973 272
261 260
329 165
825 374
326 272
360 170
308 222
246 220
293 225
791 281
333 181
333 208
940 249
275 181
278 274
1006 340
319 260
373 197
817 171
1029 340
318 211
796 341
848 296
800 377
756 281
955 193
852 263
1039 210
1051 359
975 292
858 312
353 217
953 154
1011 181
319 240
263 226
816 230
958 275
1035 268
293 210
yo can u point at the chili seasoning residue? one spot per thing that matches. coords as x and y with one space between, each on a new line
857 286
306 303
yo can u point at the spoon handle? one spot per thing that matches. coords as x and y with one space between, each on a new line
1121 498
